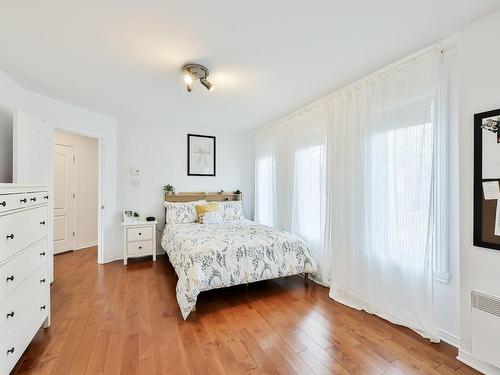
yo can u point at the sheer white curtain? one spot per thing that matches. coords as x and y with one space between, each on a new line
307 180
291 180
266 156
355 176
381 141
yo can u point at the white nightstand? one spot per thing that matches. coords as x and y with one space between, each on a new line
139 239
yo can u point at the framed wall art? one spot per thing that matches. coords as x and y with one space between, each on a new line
487 179
201 155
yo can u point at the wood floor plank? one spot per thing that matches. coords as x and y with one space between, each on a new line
281 364
111 319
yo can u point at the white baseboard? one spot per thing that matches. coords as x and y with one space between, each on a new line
85 245
477 364
449 338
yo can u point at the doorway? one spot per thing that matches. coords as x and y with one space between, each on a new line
76 196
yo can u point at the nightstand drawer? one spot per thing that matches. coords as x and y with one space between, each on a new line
139 248
139 234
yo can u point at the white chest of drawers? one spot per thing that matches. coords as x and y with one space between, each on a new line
24 277
139 239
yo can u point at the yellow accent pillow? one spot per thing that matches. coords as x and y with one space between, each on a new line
202 209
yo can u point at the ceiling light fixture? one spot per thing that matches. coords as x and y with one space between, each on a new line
207 84
189 82
193 72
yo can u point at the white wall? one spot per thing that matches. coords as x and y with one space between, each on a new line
87 178
158 149
479 72
5 147
65 116
160 153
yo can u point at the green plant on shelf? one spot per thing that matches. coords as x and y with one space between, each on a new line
169 189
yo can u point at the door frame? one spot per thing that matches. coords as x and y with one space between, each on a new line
75 212
100 205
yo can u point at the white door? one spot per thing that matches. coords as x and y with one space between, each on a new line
64 198
32 158
32 149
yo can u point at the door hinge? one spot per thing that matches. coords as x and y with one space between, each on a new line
73 233
74 159
74 195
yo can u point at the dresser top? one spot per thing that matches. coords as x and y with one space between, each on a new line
6 188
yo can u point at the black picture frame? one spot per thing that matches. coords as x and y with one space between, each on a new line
214 143
482 207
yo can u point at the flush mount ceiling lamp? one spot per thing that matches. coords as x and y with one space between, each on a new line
193 72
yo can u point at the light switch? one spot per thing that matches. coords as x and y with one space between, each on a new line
134 171
134 182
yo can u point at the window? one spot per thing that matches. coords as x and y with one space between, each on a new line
264 190
409 185
309 194
414 155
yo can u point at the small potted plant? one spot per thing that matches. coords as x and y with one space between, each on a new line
169 189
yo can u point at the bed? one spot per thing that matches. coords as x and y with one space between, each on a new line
236 251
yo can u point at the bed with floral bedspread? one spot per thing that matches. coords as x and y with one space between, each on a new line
210 256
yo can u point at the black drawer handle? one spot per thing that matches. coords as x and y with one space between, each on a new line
4 203
10 278
42 280
11 236
42 254
10 351
42 307
23 200
45 197
140 234
140 247
33 199
10 315
42 222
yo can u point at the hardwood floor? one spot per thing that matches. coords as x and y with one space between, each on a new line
111 319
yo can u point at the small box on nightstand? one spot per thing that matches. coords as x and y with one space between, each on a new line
139 239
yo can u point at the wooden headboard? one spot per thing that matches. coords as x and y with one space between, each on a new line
210 197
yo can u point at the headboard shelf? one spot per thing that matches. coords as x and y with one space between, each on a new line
210 197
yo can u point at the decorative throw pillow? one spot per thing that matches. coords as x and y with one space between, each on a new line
181 212
212 217
202 210
231 210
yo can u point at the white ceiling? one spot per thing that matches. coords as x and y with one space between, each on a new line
123 57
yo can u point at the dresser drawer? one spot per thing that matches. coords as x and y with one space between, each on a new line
17 269
15 201
10 201
39 197
139 234
139 248
20 301
16 341
20 229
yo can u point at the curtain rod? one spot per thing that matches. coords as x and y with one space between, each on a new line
443 47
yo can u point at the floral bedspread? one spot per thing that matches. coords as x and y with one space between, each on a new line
213 256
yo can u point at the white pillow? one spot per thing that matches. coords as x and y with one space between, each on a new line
181 212
212 217
231 210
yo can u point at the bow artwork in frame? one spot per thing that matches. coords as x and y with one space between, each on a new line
201 155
